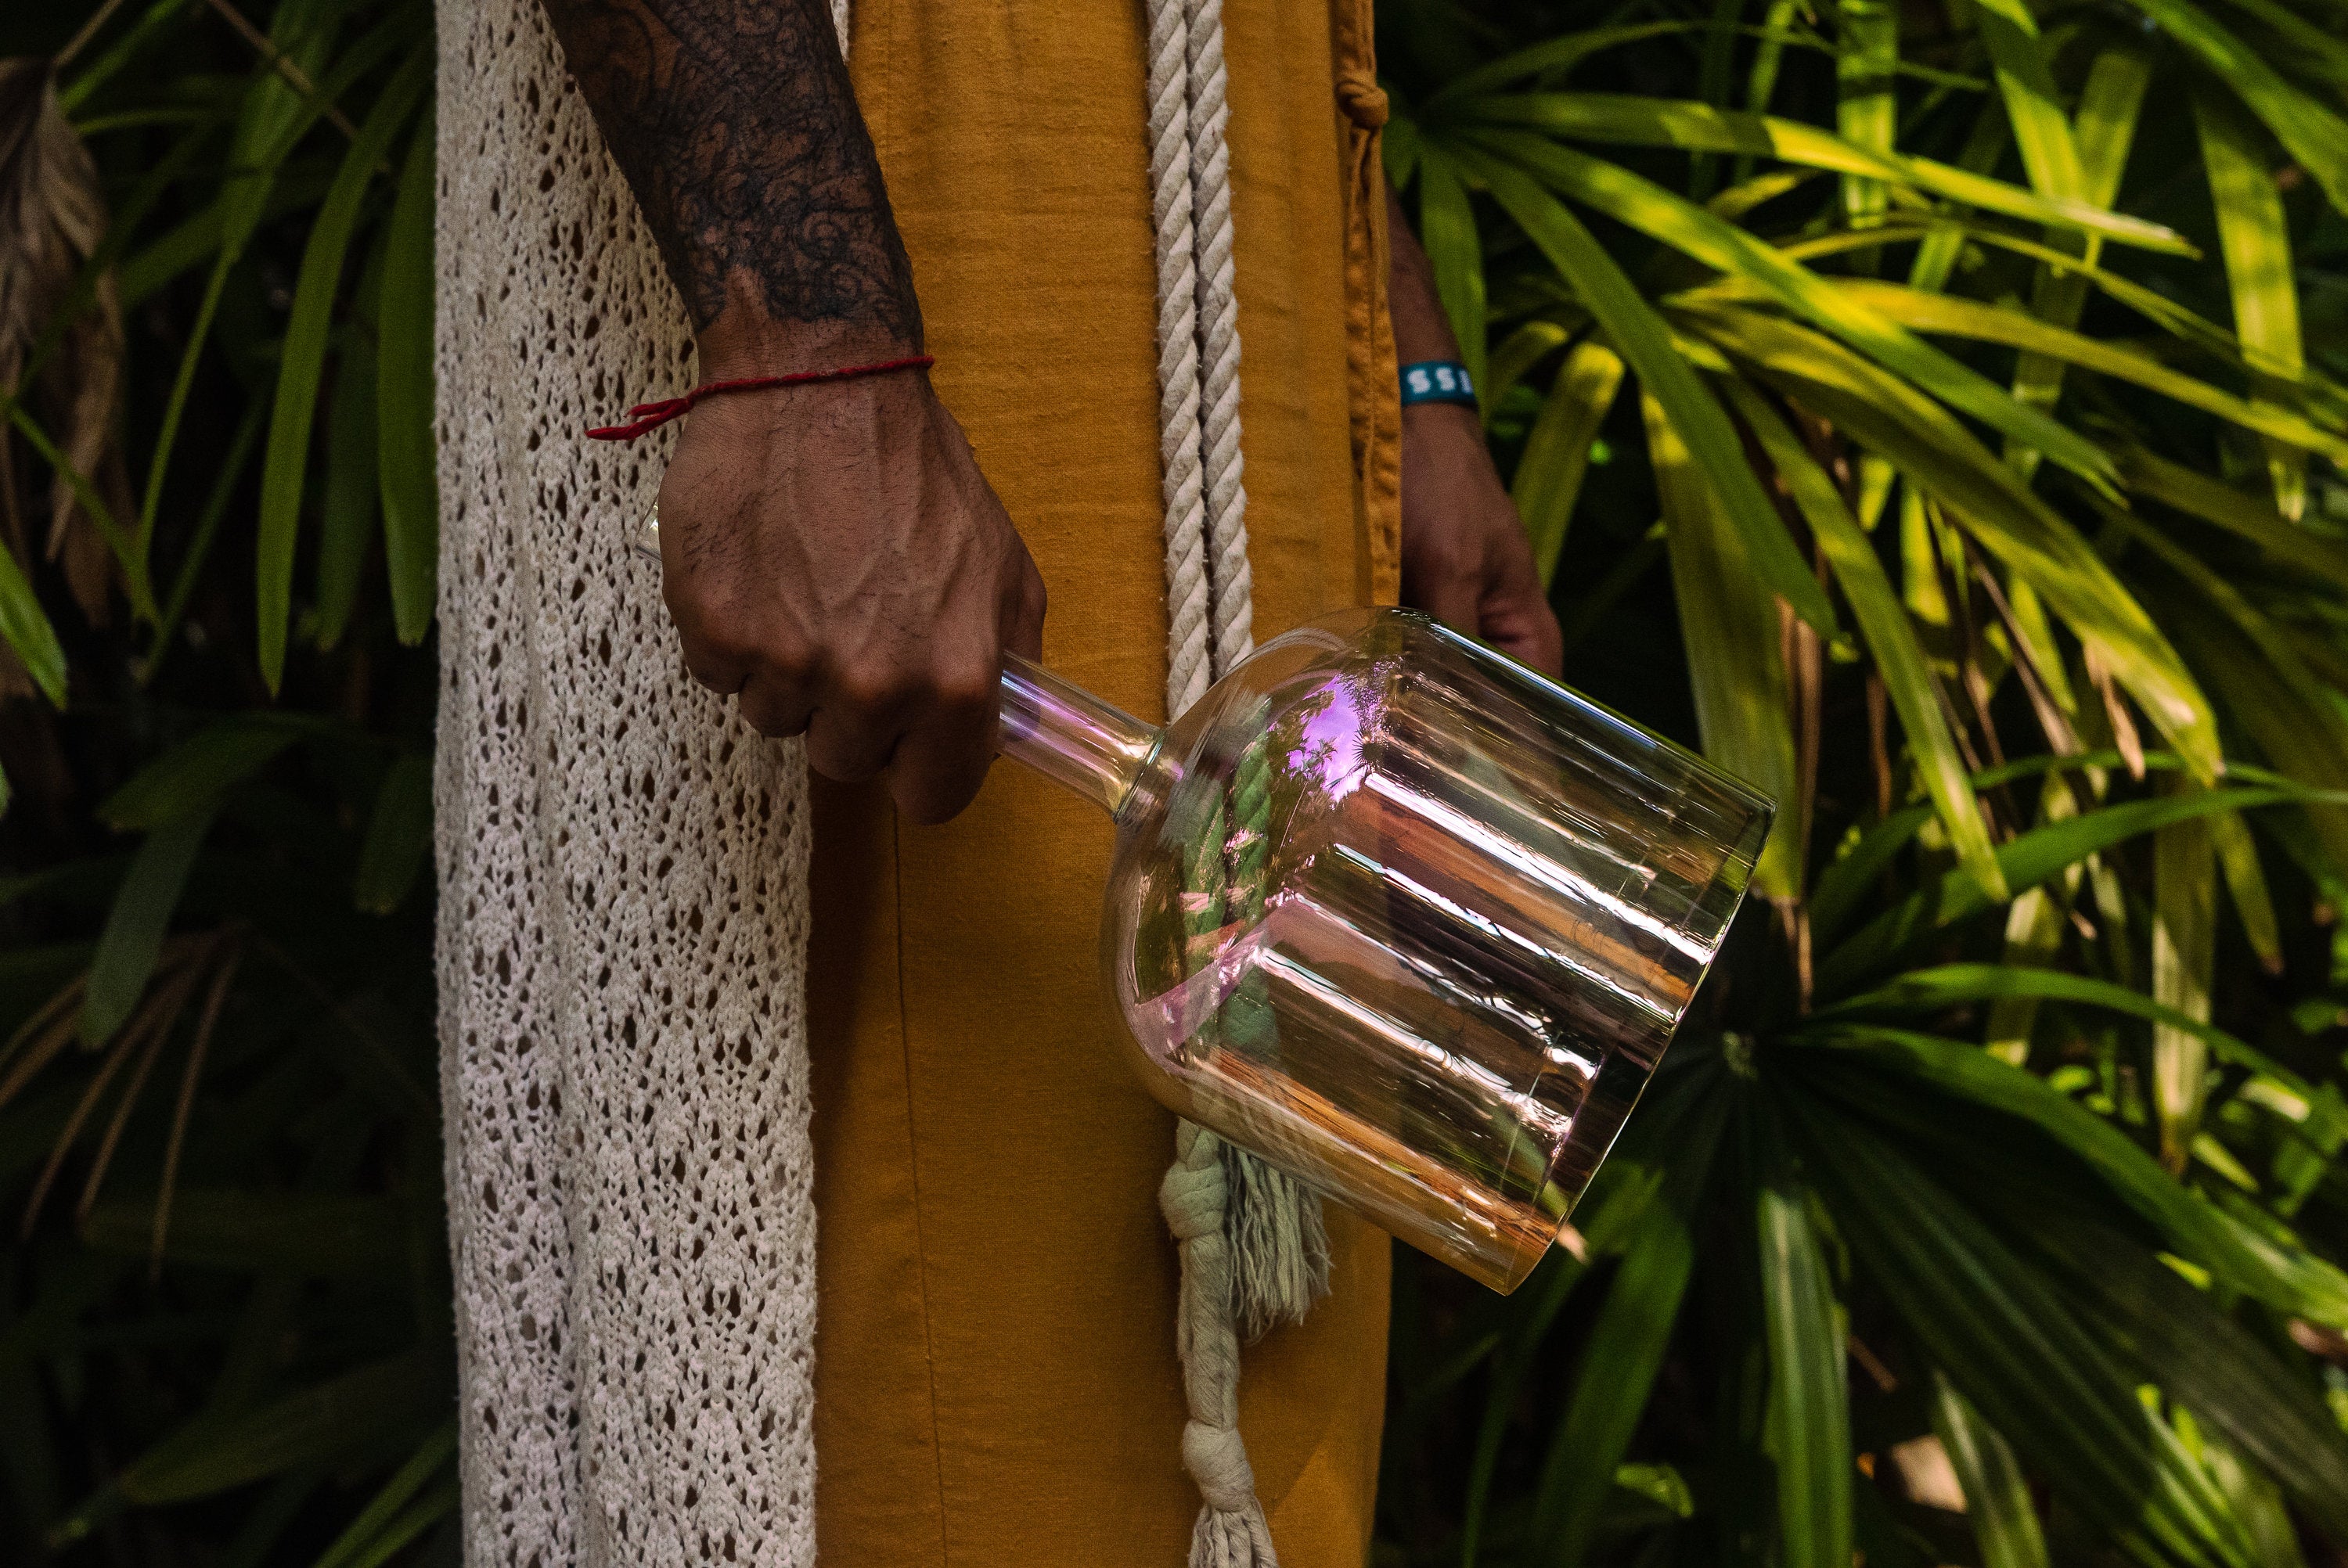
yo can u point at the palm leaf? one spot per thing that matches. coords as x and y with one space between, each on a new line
2255 239
2288 1279
1447 228
1809 1416
1867 109
303 361
1625 1352
2222 505
2026 861
1636 334
1727 623
1884 624
1625 120
25 625
2015 1347
2184 949
2025 80
211 1454
1945 986
2108 105
133 937
1997 1498
2312 133
388 1521
1933 313
273 118
2177 1337
1611 1222
1549 475
404 393
2246 884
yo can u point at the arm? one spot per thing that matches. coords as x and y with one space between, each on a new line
830 553
1465 560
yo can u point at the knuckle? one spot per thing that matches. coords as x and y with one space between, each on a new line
871 685
1450 557
965 692
704 617
770 711
789 660
706 665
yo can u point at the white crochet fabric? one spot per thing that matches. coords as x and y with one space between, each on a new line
623 901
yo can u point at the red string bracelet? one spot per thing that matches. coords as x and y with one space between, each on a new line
649 416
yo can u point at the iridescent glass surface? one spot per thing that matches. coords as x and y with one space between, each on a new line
1406 918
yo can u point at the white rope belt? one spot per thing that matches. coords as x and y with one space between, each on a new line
1253 1246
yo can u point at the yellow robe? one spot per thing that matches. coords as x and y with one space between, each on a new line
994 1364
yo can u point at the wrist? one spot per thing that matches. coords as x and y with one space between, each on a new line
741 342
1443 418
848 415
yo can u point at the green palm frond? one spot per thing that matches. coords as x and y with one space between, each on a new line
2036 390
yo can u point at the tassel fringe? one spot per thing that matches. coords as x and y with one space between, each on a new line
1280 1244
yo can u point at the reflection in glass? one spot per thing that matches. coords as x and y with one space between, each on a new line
1406 918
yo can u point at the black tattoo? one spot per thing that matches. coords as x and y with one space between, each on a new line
735 123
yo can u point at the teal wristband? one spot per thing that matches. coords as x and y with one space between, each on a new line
1437 381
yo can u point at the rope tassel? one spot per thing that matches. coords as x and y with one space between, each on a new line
1195 1195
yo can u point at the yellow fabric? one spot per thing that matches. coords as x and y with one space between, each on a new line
996 1374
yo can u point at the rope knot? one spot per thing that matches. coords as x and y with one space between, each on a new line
1193 1198
1359 94
1216 1459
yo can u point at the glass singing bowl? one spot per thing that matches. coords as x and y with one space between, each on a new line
1404 918
1401 916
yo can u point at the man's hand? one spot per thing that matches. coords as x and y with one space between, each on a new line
831 555
1465 560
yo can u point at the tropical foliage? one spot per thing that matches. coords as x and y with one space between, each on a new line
224 1303
1931 427
1937 408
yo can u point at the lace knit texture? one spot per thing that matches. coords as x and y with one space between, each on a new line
623 901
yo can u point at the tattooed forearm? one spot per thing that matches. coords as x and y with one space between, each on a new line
734 122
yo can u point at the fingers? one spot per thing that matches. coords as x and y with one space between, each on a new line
1024 624
1451 591
1527 634
776 705
848 741
941 762
1514 615
722 674
1466 561
929 732
931 738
